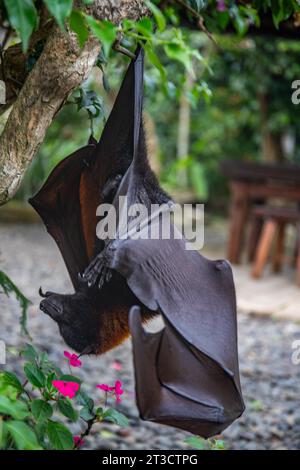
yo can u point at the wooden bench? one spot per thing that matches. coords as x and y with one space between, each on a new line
273 221
252 183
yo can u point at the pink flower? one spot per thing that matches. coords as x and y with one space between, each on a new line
73 359
67 389
105 388
221 5
117 389
116 365
78 441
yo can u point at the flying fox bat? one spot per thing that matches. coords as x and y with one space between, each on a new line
187 375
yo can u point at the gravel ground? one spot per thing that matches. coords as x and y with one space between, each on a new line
270 381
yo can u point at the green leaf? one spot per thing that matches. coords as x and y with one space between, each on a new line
3 433
256 405
218 444
155 61
281 10
49 381
86 413
105 82
99 412
60 9
66 408
84 400
178 52
29 353
89 100
34 375
103 30
41 410
199 4
23 17
158 15
70 378
106 434
9 287
196 442
145 27
78 25
59 436
223 19
115 417
23 435
40 430
11 379
16 409
172 15
240 22
199 180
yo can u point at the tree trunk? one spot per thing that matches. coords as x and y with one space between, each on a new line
184 121
271 147
61 67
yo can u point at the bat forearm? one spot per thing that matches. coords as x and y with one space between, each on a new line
111 188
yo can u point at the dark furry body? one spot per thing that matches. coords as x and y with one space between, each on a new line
95 320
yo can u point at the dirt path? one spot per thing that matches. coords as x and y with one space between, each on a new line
271 383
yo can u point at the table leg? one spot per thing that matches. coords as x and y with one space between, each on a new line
298 256
263 248
239 210
256 225
279 248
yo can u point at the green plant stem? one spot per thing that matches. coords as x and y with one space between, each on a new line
85 433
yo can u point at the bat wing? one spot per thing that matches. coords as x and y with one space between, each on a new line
68 200
62 203
187 375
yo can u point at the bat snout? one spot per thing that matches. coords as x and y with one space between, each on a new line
52 307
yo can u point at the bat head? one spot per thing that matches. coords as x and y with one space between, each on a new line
76 317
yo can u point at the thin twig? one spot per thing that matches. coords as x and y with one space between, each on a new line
85 433
4 42
118 48
200 19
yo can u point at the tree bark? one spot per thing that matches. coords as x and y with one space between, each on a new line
61 67
271 148
184 121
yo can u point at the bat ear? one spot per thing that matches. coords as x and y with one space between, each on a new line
45 294
135 322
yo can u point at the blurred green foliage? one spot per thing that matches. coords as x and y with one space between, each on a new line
240 90
229 123
226 119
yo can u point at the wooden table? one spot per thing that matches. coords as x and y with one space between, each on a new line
255 183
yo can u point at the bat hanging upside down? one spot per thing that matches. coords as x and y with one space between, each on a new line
187 374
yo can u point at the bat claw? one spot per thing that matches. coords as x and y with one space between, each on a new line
105 277
108 275
97 272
